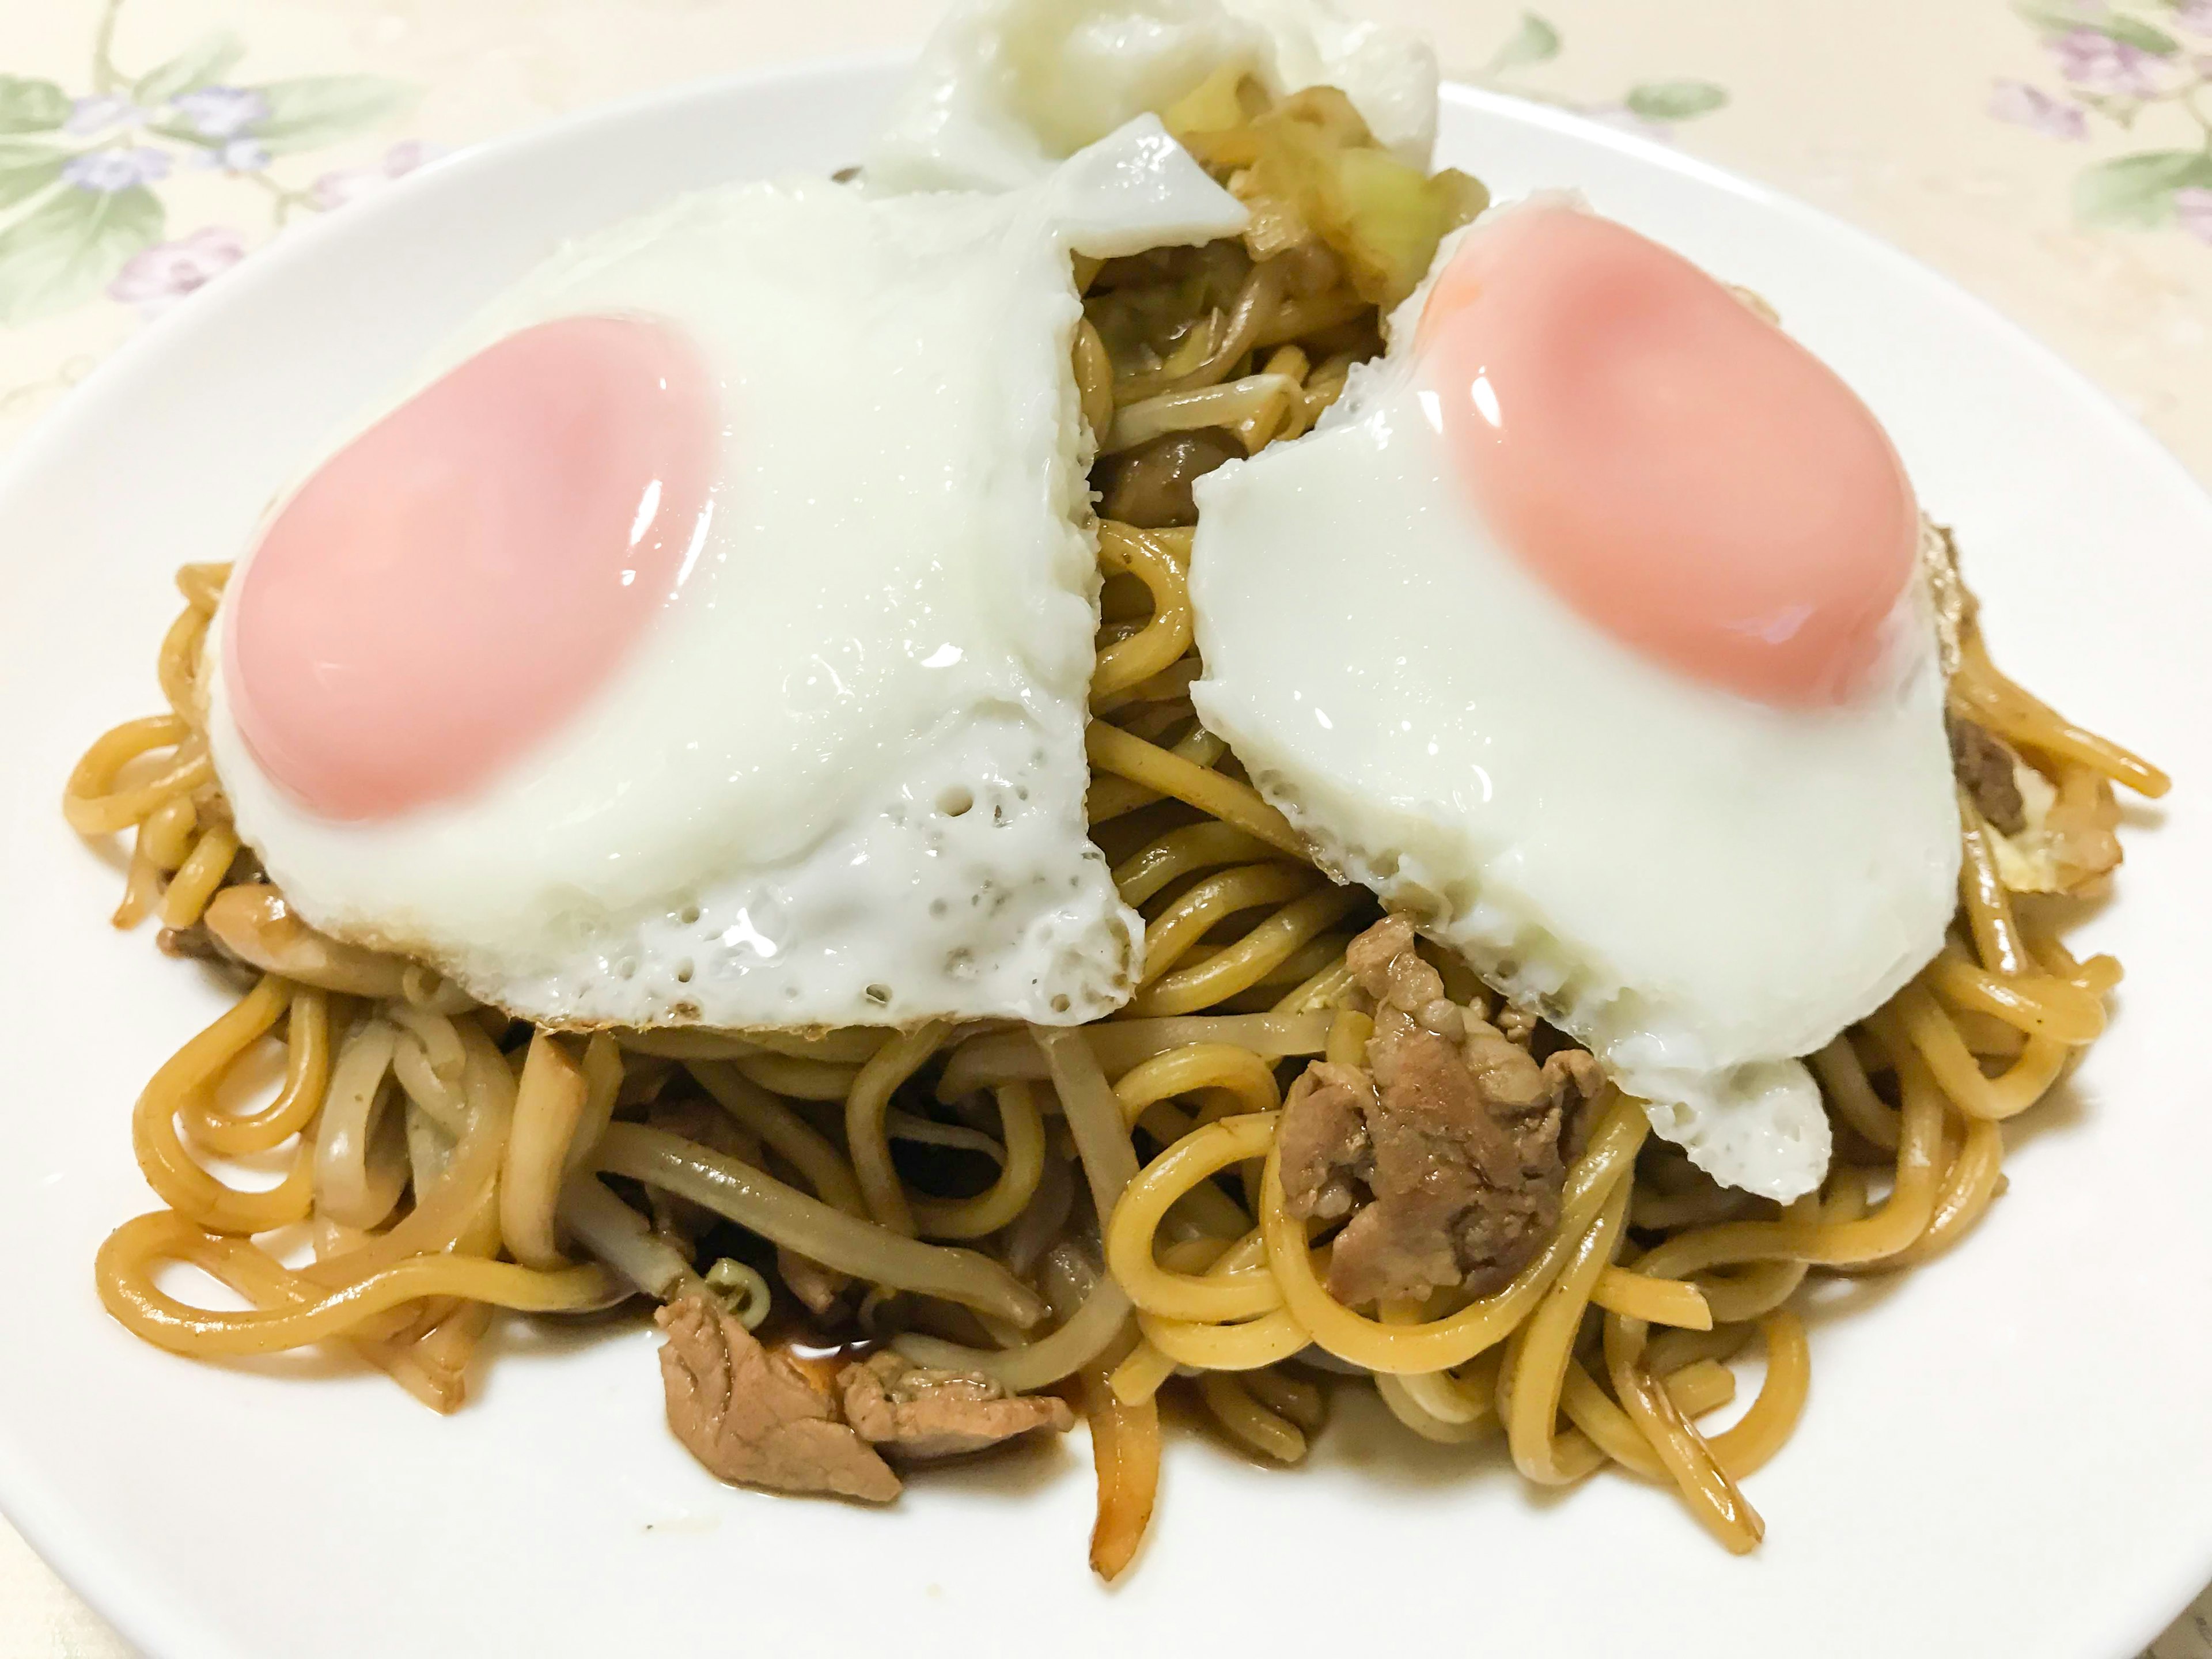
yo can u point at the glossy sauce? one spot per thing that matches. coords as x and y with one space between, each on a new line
1674 466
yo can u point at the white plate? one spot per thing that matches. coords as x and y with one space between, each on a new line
2008 1453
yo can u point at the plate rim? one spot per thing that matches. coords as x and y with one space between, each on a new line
63 1539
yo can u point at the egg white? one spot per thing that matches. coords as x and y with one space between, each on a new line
1006 88
1700 887
842 779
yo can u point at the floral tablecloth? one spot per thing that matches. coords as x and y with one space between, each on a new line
2053 156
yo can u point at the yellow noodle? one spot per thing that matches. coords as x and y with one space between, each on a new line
198 877
1324 990
306 1072
95 806
1138 1376
1983 896
2042 1005
2020 718
1185 852
1851 1096
1094 379
125 1273
1129 1256
177 665
1238 920
185 1083
1657 1301
1180 926
1239 1347
1237 1072
1538 1353
1958 1072
1119 754
1244 964
865 1139
1166 636
1696 1388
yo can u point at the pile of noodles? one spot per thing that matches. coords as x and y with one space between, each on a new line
1098 1210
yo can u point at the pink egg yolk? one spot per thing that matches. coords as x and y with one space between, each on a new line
452 586
1674 467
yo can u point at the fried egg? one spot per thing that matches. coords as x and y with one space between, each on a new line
703 634
1005 88
1586 630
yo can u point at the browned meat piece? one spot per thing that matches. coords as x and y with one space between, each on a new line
1444 1148
753 1419
1149 486
1983 763
1324 1139
915 1413
1518 1025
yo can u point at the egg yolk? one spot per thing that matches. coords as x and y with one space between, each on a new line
1671 464
453 584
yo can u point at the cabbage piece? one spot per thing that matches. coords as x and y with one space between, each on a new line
1309 166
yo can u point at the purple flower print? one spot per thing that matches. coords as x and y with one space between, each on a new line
409 154
104 172
2097 63
88 116
236 155
343 185
2195 16
2192 210
221 112
158 277
2031 107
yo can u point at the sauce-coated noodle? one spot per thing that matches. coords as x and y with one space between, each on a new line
426 1138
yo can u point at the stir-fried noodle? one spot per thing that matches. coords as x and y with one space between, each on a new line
1100 1210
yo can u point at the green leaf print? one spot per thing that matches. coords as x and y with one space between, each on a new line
2138 190
2136 32
1675 100
66 251
201 64
27 167
2056 17
31 106
320 109
1535 42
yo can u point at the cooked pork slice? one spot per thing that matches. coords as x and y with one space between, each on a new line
752 1418
1986 769
915 1413
1444 1149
